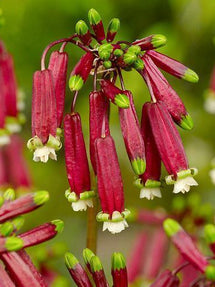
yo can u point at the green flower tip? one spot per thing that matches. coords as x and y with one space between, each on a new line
18 222
105 51
94 17
138 64
134 49
118 261
59 225
13 243
209 232
190 76
40 197
129 58
210 272
186 123
87 255
171 227
138 165
81 28
95 264
6 229
75 83
114 25
70 260
122 101
9 194
158 40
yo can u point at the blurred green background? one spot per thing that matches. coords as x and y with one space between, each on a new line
189 26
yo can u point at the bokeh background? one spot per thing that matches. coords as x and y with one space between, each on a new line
189 26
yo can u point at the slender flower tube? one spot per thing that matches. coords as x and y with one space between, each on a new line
136 259
58 65
81 72
149 182
99 110
79 193
170 148
117 96
10 90
132 136
185 245
119 271
97 25
166 279
157 249
113 28
151 42
45 141
21 272
18 172
165 93
23 205
5 280
173 67
83 32
41 233
110 187
77 272
98 272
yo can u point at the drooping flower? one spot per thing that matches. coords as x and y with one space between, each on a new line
151 42
132 136
110 186
99 114
79 193
149 182
170 148
45 140
58 66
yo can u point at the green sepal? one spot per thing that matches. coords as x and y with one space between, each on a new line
138 165
190 76
134 49
171 227
54 142
9 194
70 260
158 40
59 225
75 83
114 25
186 122
6 229
94 17
118 53
95 264
104 51
118 261
40 197
129 58
122 101
138 64
81 28
107 64
14 243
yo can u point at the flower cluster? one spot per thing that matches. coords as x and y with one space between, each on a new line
148 144
95 272
17 267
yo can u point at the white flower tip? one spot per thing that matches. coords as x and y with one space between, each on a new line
4 140
212 175
44 153
209 105
150 193
115 227
82 204
183 184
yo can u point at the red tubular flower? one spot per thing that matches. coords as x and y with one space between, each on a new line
18 172
150 42
5 280
149 182
58 65
157 249
185 245
83 32
113 28
164 92
41 233
23 205
77 164
98 272
77 272
44 118
117 96
132 136
136 259
110 187
119 271
170 148
99 110
97 25
166 279
173 67
22 270
81 72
